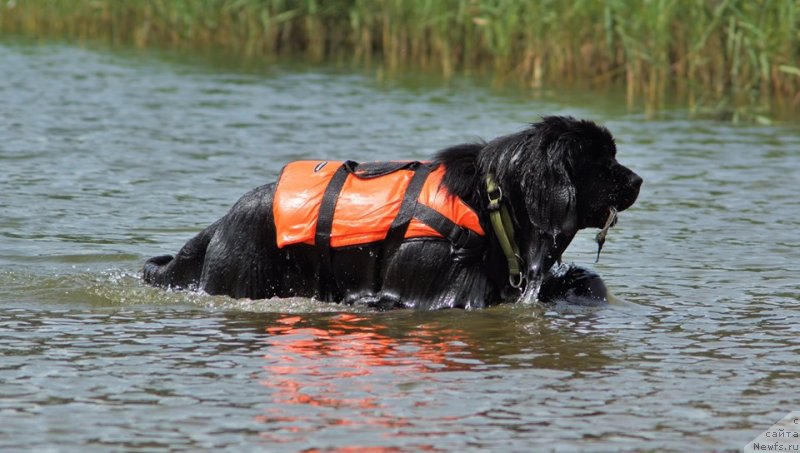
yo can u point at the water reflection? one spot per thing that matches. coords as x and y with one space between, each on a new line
352 372
535 337
339 372
307 361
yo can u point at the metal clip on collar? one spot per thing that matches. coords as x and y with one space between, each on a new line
503 228
520 283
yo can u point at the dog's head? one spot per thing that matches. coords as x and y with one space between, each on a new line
559 176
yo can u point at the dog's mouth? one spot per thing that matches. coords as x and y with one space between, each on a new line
611 220
617 203
622 202
626 201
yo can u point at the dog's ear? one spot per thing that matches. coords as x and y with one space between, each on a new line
547 183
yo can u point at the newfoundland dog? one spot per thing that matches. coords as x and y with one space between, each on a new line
480 224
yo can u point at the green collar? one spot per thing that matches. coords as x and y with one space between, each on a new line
504 231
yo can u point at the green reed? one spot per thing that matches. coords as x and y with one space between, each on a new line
734 57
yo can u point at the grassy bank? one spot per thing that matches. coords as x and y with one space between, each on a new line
730 56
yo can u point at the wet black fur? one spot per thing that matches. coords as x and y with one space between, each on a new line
558 176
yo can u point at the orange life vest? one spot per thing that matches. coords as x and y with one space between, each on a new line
365 207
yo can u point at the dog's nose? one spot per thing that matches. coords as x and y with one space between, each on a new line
635 180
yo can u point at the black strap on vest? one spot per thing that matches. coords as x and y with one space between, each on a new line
397 231
466 243
322 238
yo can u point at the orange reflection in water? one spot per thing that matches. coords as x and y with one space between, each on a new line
342 372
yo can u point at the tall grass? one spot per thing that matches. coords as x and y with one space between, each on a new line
732 55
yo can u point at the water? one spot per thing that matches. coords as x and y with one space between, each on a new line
109 157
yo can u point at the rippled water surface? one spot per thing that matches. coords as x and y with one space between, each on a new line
107 158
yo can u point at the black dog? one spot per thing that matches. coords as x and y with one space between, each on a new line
530 192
